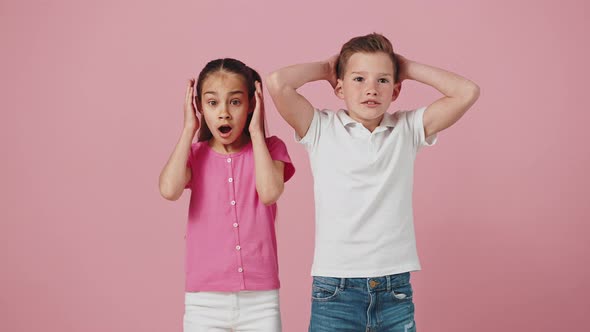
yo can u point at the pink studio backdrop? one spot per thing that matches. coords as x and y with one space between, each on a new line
91 107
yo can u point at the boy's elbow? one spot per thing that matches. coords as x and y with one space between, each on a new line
472 92
274 82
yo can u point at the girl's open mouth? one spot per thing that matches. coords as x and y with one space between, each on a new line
224 131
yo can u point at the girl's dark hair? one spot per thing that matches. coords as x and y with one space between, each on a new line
231 66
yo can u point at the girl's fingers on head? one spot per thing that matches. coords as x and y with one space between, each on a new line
258 89
190 91
189 87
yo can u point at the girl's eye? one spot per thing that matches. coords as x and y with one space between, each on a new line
358 79
383 80
235 102
212 102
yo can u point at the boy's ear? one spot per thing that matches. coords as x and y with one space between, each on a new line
338 90
397 88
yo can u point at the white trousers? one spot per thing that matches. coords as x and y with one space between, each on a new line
255 311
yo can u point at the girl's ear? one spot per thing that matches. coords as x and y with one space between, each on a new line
338 89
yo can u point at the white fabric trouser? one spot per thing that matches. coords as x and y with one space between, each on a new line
256 311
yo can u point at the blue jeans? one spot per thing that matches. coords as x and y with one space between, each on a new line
362 304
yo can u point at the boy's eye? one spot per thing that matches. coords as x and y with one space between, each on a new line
383 80
358 79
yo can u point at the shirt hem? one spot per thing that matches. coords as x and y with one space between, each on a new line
365 273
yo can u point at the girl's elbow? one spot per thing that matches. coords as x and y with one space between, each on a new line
271 197
268 201
169 193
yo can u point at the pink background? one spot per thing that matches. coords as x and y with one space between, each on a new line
91 107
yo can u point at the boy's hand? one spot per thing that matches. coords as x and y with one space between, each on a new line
403 67
257 122
331 75
191 121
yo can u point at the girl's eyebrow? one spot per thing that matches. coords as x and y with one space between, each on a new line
231 93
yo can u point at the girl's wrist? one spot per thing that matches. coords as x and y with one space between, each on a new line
189 131
257 137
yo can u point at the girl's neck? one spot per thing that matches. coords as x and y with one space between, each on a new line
233 147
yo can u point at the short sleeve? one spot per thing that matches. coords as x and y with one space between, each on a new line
313 133
416 122
278 151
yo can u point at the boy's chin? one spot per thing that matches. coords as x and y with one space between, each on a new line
368 114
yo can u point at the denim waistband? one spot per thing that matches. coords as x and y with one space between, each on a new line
374 284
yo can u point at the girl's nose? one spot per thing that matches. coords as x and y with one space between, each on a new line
223 114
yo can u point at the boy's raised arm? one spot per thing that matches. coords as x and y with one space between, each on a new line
283 84
460 94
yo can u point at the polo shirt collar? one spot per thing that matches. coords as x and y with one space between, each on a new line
387 121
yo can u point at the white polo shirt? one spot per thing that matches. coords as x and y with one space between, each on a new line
363 193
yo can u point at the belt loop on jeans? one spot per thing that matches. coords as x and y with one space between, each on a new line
342 281
388 277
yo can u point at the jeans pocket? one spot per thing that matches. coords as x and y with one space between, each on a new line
402 292
324 289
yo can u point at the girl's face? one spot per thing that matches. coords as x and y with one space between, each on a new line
225 107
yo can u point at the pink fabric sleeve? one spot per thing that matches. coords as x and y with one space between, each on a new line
278 151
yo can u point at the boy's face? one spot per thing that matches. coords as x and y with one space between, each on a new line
368 87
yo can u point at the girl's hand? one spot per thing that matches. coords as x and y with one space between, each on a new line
191 121
331 75
257 122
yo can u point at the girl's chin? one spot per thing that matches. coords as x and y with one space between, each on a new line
226 139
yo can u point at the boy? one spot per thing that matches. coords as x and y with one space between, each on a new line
362 160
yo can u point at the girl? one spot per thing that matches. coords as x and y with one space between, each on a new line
236 175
